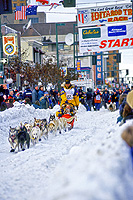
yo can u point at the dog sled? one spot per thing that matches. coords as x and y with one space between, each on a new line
68 112
70 120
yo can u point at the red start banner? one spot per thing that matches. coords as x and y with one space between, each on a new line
106 38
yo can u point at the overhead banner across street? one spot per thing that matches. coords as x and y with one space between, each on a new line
106 38
104 14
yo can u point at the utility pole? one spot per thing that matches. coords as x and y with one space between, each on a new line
74 47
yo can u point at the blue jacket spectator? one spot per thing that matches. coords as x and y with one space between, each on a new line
43 102
27 94
105 98
115 98
127 90
89 98
35 94
41 92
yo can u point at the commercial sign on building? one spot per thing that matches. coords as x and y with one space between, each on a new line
99 69
104 14
9 47
91 33
78 65
107 39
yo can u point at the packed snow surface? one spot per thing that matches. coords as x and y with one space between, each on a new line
90 162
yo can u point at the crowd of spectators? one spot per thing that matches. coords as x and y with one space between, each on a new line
96 99
38 97
43 99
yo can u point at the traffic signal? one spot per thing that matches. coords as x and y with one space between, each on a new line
127 72
118 57
69 3
94 59
5 6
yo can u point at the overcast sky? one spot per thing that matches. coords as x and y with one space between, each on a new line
56 15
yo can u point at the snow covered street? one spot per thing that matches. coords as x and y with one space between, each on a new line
90 162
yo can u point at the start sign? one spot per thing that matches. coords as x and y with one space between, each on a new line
106 38
9 47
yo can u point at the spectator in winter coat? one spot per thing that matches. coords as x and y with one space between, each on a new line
27 93
106 90
6 90
19 96
115 98
83 102
44 104
122 103
11 95
127 90
41 92
105 98
9 103
128 108
81 93
89 97
55 95
3 105
35 94
97 99
27 101
50 103
59 98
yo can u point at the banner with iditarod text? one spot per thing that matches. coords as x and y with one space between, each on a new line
104 14
106 38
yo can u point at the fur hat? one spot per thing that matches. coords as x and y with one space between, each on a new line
130 99
127 135
122 97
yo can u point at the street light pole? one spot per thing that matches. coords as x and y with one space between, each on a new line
57 54
74 47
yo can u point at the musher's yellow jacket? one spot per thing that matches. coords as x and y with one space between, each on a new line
69 95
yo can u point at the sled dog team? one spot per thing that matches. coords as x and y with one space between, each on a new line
27 133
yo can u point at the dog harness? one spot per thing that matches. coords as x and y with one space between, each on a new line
13 137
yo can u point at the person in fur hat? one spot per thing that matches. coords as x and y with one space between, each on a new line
127 136
122 103
128 108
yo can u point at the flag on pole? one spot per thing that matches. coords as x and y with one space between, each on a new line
43 2
29 24
21 12
54 5
32 10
